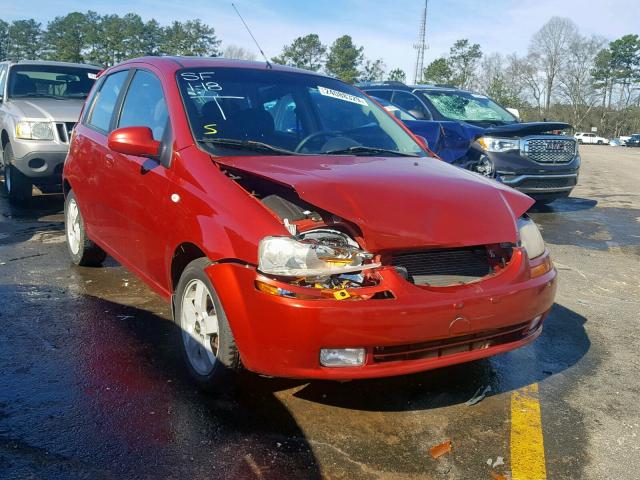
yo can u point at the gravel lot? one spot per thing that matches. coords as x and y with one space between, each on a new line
90 385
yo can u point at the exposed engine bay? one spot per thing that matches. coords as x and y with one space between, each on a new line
329 238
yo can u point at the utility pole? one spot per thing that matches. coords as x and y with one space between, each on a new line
421 45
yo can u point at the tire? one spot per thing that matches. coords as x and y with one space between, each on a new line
16 184
206 342
81 249
599 142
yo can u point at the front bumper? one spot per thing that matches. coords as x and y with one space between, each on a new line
282 336
40 160
533 184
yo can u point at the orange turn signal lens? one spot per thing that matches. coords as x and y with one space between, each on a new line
542 268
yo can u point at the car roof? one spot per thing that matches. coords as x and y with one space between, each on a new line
173 63
385 85
53 63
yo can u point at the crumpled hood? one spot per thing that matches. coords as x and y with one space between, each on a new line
50 109
399 203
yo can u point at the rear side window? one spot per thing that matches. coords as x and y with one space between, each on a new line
144 105
105 101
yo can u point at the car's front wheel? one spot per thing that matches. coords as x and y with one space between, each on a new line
206 341
82 250
16 184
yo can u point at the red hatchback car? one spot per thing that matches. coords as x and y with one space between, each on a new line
298 229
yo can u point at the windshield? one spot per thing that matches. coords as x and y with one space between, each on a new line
274 112
468 107
54 81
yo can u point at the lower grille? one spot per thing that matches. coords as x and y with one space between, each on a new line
549 150
451 346
446 266
548 182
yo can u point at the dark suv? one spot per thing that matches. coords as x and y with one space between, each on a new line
525 156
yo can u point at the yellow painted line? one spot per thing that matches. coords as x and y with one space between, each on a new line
527 443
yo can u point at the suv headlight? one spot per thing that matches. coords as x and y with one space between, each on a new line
288 257
34 130
530 237
495 144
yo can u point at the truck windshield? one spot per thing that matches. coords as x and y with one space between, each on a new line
468 107
55 81
270 112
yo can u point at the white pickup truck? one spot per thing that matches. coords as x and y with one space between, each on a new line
590 138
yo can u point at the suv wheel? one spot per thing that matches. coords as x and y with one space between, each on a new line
82 250
16 184
206 342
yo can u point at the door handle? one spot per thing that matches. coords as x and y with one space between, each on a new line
108 158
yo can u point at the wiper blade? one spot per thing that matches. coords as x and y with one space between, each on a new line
361 149
246 145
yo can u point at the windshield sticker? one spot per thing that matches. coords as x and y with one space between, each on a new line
92 76
477 95
328 92
211 129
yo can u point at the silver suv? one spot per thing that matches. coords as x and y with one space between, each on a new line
40 102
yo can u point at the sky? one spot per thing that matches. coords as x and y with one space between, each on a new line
386 29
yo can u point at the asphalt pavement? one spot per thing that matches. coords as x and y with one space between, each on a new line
91 386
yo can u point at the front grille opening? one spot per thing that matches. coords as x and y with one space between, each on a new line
451 346
64 131
547 150
452 266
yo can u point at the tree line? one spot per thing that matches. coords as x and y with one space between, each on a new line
587 81
103 39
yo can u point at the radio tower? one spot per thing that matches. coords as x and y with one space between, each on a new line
421 45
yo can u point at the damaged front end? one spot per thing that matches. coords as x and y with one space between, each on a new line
325 256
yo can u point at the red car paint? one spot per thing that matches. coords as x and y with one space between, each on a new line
141 212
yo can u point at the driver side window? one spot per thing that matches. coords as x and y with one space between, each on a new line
410 103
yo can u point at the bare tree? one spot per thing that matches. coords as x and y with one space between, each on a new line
549 45
528 73
576 82
239 53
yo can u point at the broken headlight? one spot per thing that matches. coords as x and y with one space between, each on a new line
318 253
530 237
495 144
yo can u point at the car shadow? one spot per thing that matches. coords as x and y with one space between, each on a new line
121 370
39 215
561 345
569 204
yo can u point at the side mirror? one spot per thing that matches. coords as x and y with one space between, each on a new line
513 111
136 141
417 113
422 142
